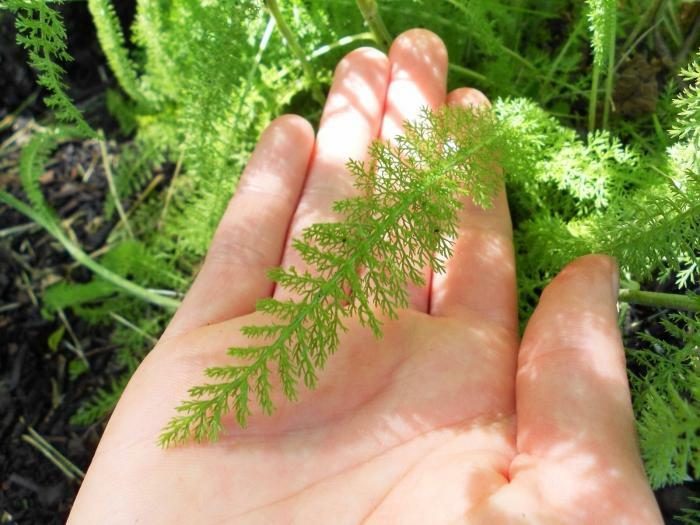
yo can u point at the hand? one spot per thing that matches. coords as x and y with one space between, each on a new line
419 427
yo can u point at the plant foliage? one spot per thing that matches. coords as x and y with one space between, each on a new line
41 32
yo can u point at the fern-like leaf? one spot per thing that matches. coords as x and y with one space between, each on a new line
111 38
667 402
411 192
41 32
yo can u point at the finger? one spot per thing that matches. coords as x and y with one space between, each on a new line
251 235
418 80
350 122
571 387
480 275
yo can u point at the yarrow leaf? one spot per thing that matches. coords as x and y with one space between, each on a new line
404 219
41 32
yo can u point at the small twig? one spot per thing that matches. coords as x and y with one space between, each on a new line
142 197
660 300
8 307
77 347
30 125
29 289
132 326
20 228
69 469
370 12
112 187
91 168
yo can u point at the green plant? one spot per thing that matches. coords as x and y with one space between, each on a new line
41 32
201 80
668 393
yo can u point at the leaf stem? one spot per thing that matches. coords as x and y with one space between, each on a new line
660 300
593 98
609 77
370 12
112 187
296 48
83 258
468 73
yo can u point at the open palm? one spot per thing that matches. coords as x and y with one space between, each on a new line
448 419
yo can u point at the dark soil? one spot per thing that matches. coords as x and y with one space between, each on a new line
35 389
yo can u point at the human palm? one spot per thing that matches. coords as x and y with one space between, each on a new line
418 427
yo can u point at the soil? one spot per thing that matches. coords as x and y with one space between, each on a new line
36 391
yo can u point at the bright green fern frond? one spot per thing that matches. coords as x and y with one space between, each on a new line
411 191
111 38
31 166
667 402
41 32
687 125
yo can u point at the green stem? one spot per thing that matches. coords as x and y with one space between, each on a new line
660 300
573 36
110 182
610 75
593 98
468 72
83 258
296 49
370 12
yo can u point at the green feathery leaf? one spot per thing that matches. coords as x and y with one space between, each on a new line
41 32
404 219
667 401
111 38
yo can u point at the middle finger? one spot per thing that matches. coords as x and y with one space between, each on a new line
350 122
418 80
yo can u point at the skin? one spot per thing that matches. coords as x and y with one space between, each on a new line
449 418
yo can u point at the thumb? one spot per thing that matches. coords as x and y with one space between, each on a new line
572 394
